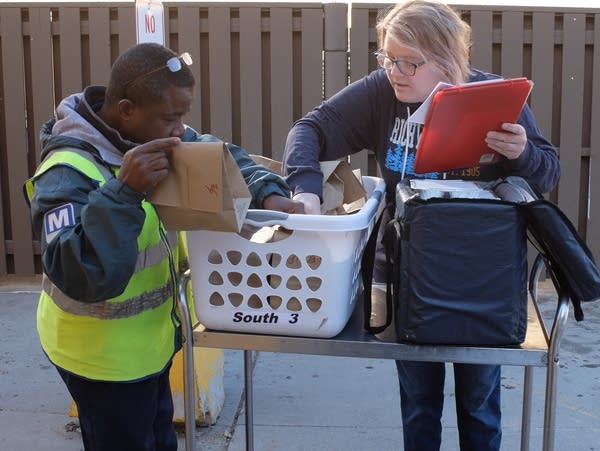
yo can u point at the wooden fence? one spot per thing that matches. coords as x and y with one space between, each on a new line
259 66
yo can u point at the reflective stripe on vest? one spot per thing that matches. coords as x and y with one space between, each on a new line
153 255
106 309
128 307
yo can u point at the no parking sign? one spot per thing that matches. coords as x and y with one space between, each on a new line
149 21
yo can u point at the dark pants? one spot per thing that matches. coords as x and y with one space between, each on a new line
124 416
477 391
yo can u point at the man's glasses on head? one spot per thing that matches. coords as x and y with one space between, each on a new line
174 64
405 67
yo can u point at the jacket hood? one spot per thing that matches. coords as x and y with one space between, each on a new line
70 129
50 141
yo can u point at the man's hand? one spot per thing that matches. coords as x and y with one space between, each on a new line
146 165
280 203
510 143
312 203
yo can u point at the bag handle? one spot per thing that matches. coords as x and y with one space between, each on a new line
367 264
544 236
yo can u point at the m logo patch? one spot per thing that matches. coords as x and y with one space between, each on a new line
57 219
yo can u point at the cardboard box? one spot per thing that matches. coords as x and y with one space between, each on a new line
204 190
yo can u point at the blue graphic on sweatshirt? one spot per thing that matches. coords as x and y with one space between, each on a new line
394 158
403 143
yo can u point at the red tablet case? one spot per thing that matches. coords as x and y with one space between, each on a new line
458 119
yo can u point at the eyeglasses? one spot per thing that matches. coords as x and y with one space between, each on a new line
405 67
173 64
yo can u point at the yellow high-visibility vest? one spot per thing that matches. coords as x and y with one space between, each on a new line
130 336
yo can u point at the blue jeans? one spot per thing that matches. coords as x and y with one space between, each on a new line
124 416
477 390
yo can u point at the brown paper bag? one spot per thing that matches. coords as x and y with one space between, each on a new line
204 189
273 165
343 192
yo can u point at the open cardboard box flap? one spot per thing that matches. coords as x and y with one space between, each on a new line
204 189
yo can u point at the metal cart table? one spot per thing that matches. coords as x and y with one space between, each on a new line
540 349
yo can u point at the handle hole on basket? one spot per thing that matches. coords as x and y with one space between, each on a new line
293 262
235 257
215 278
314 283
215 257
313 261
235 299
254 281
274 280
255 302
294 305
275 302
253 259
216 299
314 304
293 283
235 278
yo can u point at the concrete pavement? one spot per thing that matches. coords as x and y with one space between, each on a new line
301 402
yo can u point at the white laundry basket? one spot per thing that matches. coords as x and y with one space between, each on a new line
304 285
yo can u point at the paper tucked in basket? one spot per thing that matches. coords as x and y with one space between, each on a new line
204 189
343 192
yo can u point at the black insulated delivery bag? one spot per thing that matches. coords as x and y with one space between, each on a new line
457 270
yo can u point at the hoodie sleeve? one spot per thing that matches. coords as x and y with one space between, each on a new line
91 254
261 181
539 163
346 123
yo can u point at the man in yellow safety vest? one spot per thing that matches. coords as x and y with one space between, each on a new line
107 316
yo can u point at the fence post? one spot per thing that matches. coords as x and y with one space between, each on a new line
335 47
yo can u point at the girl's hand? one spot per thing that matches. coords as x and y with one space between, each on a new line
312 203
510 142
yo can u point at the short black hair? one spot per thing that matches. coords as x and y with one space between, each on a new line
139 60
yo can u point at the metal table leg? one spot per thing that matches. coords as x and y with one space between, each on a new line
249 400
189 399
526 415
558 328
